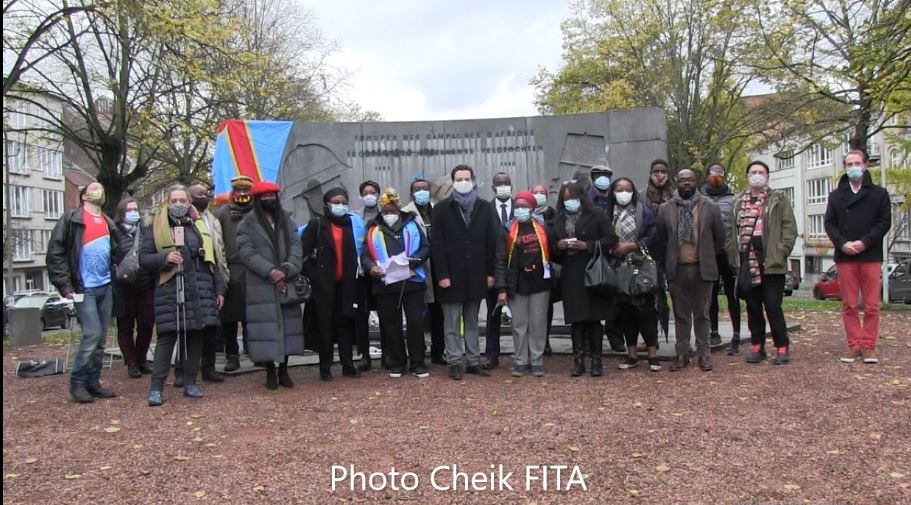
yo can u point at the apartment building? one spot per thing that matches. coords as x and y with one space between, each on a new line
33 196
809 176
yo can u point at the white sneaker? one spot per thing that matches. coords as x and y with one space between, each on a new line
395 375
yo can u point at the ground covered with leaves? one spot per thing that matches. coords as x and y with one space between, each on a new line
816 431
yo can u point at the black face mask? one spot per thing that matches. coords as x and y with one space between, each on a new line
201 203
269 205
687 193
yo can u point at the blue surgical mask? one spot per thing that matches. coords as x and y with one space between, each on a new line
602 182
422 197
572 206
540 200
855 173
522 214
338 209
132 216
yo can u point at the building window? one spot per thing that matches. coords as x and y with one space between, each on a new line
20 201
816 228
22 245
818 156
789 192
896 158
18 115
51 163
818 190
785 160
53 204
16 157
903 223
42 239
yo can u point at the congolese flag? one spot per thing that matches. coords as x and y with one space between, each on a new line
251 148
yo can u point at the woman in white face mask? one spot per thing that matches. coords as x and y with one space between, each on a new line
395 241
636 226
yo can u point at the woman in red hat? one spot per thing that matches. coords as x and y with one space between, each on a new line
269 248
524 275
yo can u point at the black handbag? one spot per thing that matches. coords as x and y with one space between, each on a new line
297 291
601 273
638 274
128 270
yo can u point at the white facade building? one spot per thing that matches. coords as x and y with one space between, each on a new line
34 202
808 177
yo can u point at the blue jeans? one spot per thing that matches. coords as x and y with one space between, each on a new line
94 314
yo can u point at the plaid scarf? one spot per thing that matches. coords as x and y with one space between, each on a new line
749 222
625 224
686 230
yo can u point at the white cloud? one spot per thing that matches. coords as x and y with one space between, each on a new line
415 61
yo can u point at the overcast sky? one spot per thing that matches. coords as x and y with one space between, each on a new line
431 60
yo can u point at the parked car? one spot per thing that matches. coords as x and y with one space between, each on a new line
55 311
791 282
827 288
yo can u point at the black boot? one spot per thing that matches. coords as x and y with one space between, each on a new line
271 378
366 363
595 341
283 378
233 363
578 354
597 366
734 347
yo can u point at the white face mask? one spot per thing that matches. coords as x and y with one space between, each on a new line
540 200
369 200
391 219
623 197
463 186
503 192
757 180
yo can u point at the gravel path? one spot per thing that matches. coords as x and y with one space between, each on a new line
817 431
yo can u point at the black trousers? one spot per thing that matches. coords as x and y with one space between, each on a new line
589 335
636 319
437 341
768 295
228 335
164 350
492 332
727 280
362 320
209 346
341 330
387 305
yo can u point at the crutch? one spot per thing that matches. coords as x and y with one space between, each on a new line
181 320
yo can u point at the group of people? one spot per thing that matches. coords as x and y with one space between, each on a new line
204 275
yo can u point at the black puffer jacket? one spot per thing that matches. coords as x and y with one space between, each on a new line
201 284
144 280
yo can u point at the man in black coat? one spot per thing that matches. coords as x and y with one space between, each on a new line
463 245
234 311
858 216
503 214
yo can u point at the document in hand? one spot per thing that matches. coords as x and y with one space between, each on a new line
396 269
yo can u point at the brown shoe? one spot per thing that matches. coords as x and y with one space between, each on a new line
679 363
870 357
852 356
705 364
493 363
